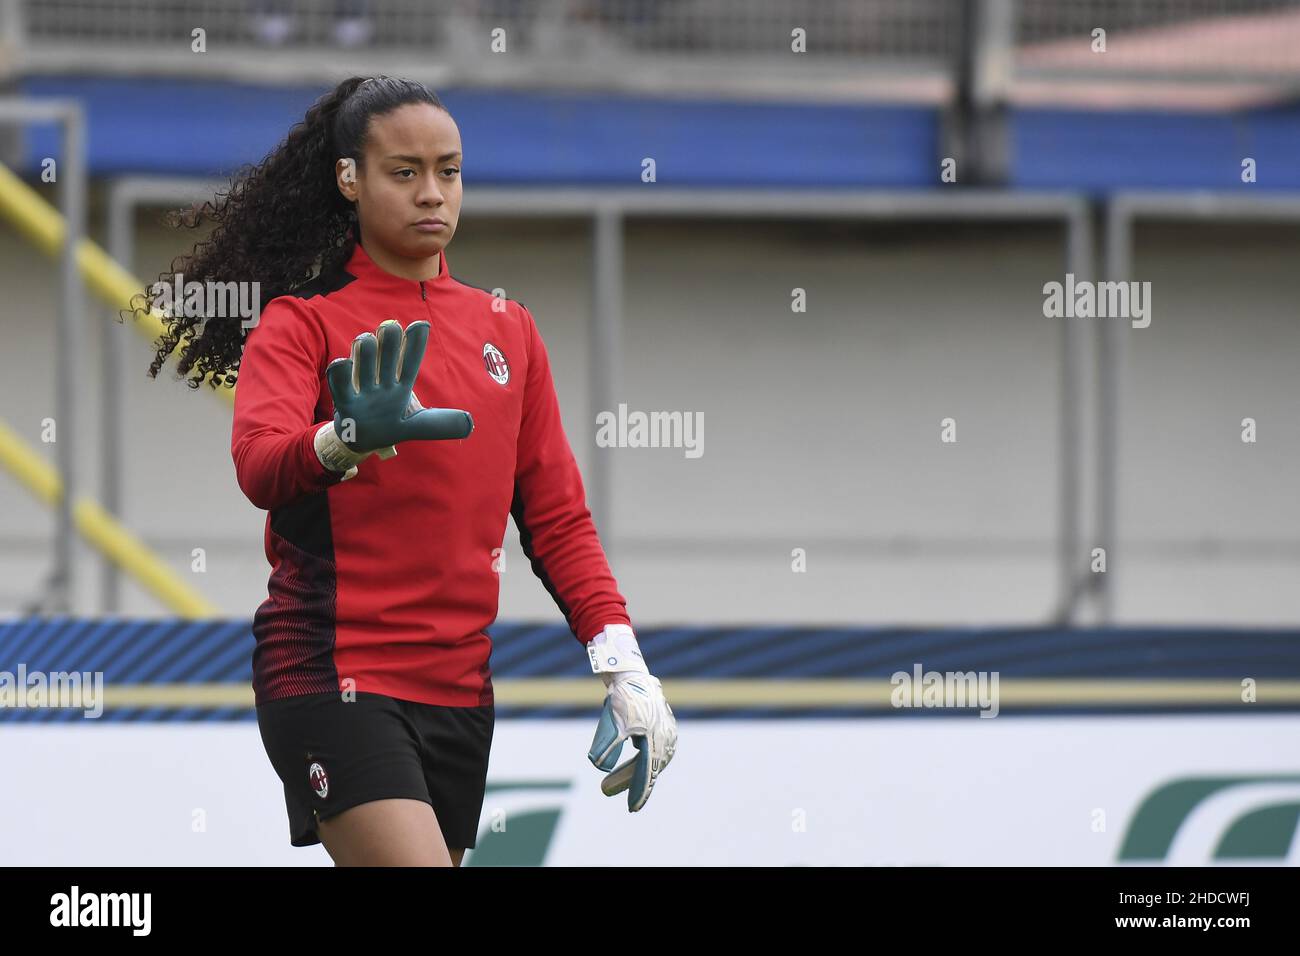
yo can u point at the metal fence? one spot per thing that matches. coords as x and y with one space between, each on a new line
894 49
885 28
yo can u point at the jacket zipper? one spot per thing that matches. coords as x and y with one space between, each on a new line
433 325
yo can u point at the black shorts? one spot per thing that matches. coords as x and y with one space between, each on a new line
333 754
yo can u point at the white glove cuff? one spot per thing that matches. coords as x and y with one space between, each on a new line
615 650
335 455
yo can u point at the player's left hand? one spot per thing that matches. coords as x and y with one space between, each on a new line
634 707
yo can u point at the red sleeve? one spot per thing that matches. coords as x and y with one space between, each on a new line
279 383
550 507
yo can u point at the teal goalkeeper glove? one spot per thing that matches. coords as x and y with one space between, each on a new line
374 404
634 707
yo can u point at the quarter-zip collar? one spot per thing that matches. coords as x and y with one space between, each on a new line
366 270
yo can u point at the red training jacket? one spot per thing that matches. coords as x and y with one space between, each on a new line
387 579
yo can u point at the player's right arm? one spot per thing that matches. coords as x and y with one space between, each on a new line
272 437
280 451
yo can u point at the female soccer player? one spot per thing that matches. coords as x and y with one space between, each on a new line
388 418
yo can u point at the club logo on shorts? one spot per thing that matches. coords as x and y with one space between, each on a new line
495 363
319 781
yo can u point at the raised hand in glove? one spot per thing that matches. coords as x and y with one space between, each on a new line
375 407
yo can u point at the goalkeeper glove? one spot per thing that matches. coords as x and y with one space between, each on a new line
374 403
635 707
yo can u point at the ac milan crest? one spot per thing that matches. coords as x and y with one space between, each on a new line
320 782
495 363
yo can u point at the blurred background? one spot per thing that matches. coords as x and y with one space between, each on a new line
826 231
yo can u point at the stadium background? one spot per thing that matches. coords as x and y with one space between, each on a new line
826 538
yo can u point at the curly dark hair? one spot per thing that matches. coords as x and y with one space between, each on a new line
281 223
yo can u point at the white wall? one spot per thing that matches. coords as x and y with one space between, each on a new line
821 429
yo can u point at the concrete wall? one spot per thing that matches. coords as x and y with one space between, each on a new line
822 429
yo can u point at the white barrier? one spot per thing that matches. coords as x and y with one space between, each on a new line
889 791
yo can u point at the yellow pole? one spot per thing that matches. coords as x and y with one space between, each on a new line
101 530
43 226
